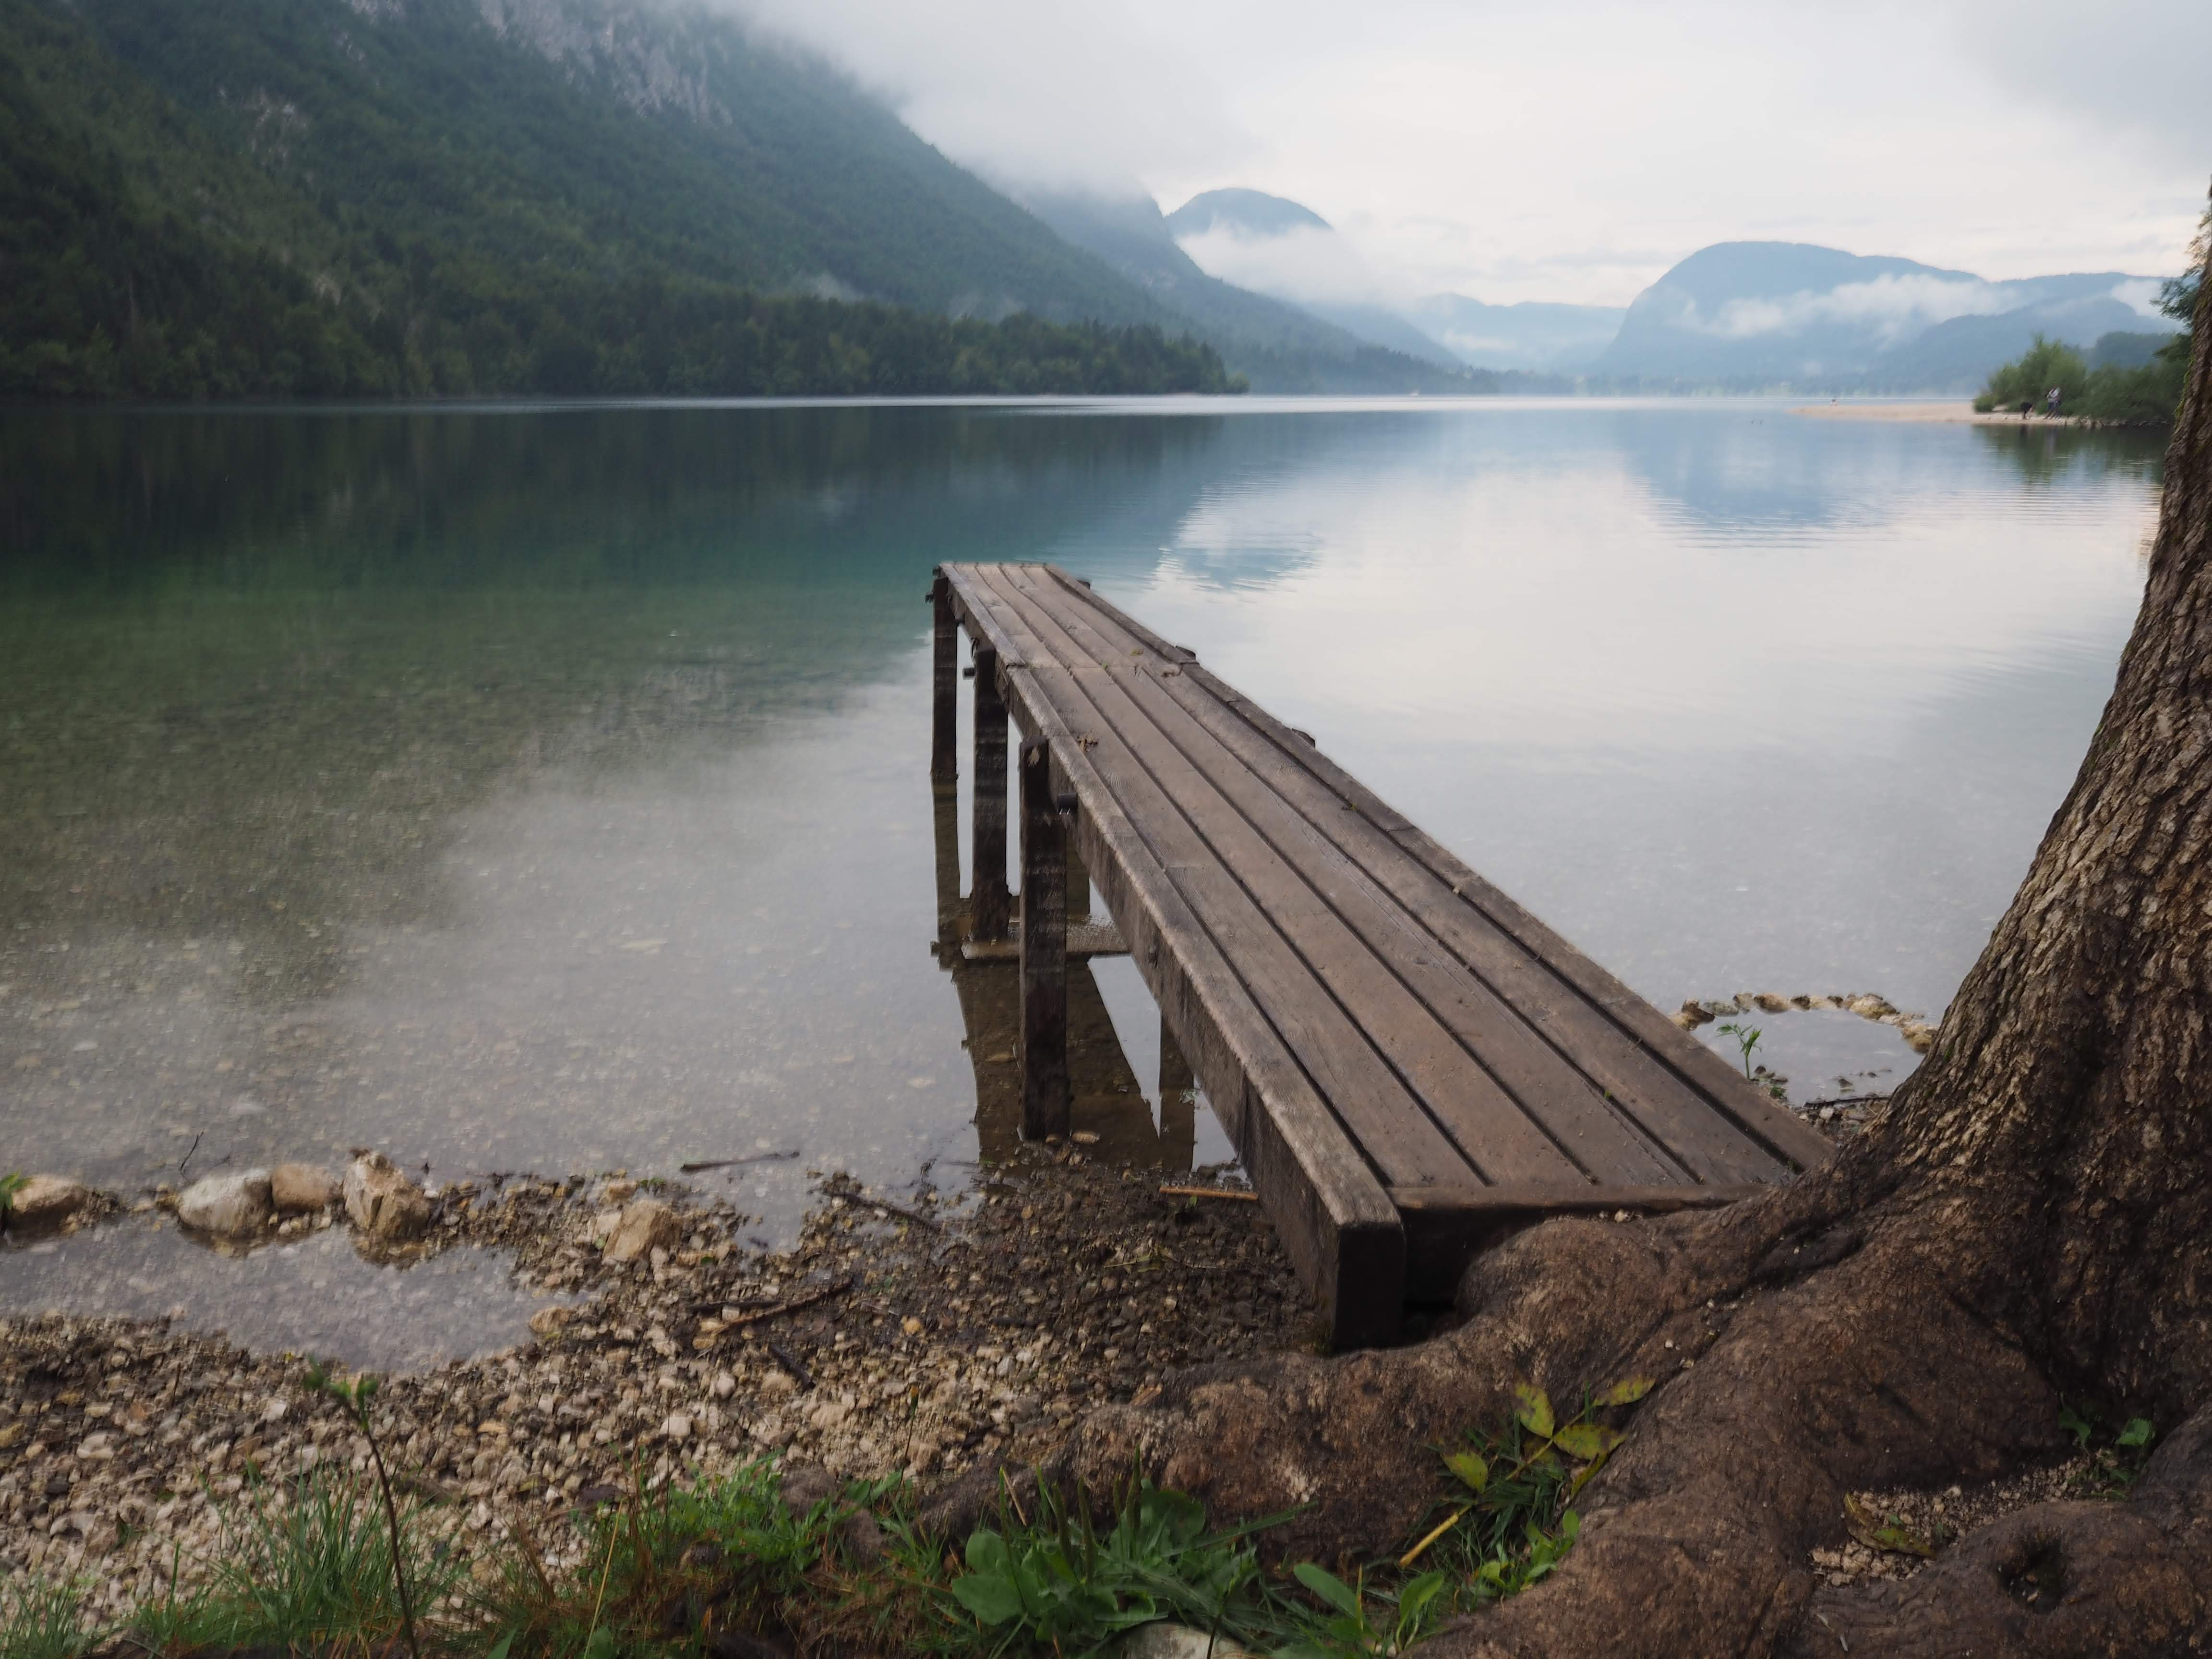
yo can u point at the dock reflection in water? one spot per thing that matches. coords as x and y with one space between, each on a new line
1109 1102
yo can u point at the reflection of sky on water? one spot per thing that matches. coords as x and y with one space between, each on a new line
547 791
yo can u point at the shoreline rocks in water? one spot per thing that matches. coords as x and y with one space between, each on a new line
232 1207
381 1201
47 1203
876 1343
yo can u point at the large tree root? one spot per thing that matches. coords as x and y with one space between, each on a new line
1800 1357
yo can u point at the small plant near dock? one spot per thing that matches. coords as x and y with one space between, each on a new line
1747 1039
10 1184
356 1394
2117 1456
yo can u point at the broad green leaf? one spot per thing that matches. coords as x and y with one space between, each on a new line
1473 1472
1533 1409
990 1596
1328 1586
2136 1433
499 1648
1418 1594
1586 1440
1626 1393
987 1552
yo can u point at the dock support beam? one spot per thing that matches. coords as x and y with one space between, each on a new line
1178 1104
1045 1096
944 686
987 887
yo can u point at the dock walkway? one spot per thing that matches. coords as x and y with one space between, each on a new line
1409 1064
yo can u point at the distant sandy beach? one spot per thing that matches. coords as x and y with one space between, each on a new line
1960 414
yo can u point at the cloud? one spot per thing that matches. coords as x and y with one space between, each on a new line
1894 307
1574 151
1305 264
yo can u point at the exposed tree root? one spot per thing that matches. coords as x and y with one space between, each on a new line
1800 1359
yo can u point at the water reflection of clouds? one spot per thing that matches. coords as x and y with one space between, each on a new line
1568 609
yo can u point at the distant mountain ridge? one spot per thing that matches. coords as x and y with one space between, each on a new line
1281 346
1745 315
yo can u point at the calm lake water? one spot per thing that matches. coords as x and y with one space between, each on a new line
547 788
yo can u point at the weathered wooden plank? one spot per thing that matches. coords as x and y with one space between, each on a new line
1530 1076
986 885
1491 1129
1045 1098
1267 924
1337 1225
1642 1029
1448 1227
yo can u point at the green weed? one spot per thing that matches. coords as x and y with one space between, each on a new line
39 1620
304 1567
1057 1582
2117 1456
1747 1039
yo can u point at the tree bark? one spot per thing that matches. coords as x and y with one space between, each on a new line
2028 1223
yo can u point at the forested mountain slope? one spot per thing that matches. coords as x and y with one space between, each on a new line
385 195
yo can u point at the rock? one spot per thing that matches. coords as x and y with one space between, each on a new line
646 1225
1169 1641
382 1201
46 1203
617 1192
724 1385
804 1486
227 1205
677 1427
863 1539
550 1318
295 1188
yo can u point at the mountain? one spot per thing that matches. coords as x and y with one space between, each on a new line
1251 213
1745 315
471 195
1278 346
1285 249
1531 335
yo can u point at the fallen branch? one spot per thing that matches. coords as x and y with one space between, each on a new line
1209 1192
789 1361
783 1308
732 1162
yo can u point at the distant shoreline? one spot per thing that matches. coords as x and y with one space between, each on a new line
1950 414
1960 414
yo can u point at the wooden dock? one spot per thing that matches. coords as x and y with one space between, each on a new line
1409 1064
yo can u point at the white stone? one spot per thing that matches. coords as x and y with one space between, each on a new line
725 1385
677 1427
1168 1641
227 1205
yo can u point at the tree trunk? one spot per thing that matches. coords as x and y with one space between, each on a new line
2028 1224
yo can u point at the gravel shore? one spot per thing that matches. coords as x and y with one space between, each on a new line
910 1336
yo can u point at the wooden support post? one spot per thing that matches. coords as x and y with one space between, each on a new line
944 686
1079 878
987 887
944 836
1178 1104
1045 1094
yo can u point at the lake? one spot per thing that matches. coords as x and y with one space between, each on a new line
545 788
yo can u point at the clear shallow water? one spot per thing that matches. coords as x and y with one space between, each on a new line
547 789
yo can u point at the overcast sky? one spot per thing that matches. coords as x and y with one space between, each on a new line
1575 151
